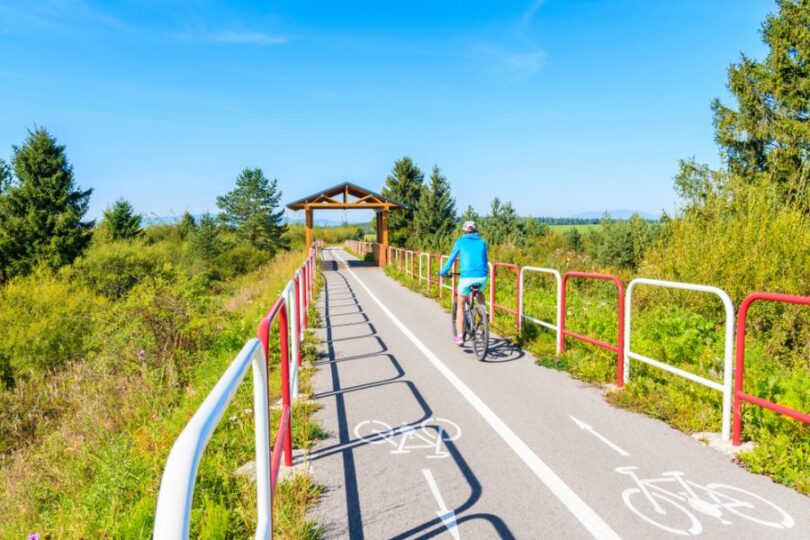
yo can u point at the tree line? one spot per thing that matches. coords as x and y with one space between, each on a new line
43 211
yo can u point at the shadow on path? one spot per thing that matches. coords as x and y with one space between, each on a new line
337 286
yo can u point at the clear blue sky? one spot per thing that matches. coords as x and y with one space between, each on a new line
561 106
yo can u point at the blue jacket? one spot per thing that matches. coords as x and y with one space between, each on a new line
472 251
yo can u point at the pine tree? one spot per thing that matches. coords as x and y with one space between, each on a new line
187 225
469 215
573 239
502 225
435 217
5 177
404 184
769 132
121 222
251 208
206 244
41 208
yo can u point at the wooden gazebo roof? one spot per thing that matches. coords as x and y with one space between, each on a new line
346 196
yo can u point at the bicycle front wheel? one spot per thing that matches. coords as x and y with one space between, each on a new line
480 331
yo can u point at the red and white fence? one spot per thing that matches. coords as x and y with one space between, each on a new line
173 514
730 384
360 247
739 394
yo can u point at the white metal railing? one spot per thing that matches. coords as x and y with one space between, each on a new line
409 267
522 315
295 344
728 349
173 515
422 257
442 284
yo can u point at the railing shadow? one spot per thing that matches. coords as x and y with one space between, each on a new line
346 444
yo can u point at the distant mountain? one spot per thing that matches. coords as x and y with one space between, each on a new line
165 220
616 214
325 222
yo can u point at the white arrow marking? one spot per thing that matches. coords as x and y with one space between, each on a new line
586 427
448 517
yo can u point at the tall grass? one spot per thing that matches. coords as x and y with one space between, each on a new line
83 441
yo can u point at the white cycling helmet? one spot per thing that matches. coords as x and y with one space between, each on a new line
469 226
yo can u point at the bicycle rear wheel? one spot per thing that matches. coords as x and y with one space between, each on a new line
480 331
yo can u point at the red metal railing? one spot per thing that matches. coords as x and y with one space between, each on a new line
619 347
303 281
739 394
492 290
284 430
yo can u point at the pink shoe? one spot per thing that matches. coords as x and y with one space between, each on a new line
458 340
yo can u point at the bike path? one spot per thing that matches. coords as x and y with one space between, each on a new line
518 464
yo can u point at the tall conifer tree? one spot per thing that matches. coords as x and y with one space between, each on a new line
404 184
435 217
41 208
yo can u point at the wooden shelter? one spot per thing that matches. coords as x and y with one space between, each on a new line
348 196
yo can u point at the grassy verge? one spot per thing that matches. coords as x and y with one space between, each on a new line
365 257
93 467
685 330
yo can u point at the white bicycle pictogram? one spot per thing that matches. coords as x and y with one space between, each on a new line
430 434
674 504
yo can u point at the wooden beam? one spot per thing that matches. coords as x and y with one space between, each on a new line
347 206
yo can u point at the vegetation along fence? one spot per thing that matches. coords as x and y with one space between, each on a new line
173 515
730 384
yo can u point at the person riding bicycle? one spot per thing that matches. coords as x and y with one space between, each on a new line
471 250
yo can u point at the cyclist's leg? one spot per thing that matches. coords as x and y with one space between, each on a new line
460 300
480 296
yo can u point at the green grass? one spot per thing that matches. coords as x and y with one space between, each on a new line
94 466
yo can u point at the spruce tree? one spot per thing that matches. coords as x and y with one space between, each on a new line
435 217
206 244
41 208
121 222
469 215
404 184
187 225
768 134
573 239
503 225
252 210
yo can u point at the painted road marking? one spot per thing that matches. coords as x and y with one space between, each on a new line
586 427
431 433
579 508
675 504
448 517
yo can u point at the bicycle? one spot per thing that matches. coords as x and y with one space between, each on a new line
677 510
476 321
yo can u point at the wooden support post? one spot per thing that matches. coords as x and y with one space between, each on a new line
309 230
382 235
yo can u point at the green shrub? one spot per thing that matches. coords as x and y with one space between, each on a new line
240 259
113 268
45 322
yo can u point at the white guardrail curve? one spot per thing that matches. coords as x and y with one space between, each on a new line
173 515
728 349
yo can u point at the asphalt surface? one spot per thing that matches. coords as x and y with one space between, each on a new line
426 441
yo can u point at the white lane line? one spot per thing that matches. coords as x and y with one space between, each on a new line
448 517
586 427
595 525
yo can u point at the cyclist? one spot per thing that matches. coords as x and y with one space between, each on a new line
472 253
